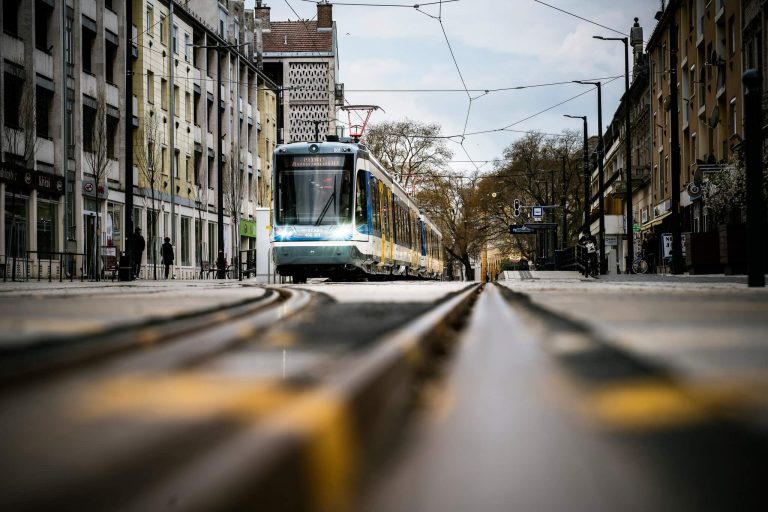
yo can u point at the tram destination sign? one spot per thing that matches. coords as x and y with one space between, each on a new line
314 161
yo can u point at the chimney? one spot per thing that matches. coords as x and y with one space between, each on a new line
262 13
324 15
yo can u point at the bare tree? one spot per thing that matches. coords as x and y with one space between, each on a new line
409 150
201 205
233 196
456 205
147 153
21 141
97 157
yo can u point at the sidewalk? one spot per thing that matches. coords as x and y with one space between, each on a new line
32 311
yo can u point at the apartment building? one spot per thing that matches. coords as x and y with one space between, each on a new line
709 108
301 57
196 116
55 189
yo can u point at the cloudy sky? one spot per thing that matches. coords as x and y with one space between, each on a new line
386 53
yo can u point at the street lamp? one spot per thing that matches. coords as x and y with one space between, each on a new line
628 143
586 169
600 173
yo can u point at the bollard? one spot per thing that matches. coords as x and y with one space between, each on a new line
753 142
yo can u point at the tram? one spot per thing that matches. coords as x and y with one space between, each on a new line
339 214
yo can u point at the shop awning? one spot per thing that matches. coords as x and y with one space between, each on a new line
656 221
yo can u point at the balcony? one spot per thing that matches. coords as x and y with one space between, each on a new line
198 135
88 8
249 159
196 76
209 141
43 64
110 21
113 170
88 84
113 96
258 163
13 48
134 43
45 151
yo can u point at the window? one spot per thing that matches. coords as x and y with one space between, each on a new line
113 124
186 168
732 36
89 123
148 29
175 166
176 101
46 229
88 42
162 28
150 87
164 94
732 118
12 102
188 107
163 156
175 39
43 15
43 100
187 47
68 45
186 225
15 225
111 54
222 22
11 17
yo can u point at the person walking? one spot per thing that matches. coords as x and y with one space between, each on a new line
589 254
139 244
167 255
650 244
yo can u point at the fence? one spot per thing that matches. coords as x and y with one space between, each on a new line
34 263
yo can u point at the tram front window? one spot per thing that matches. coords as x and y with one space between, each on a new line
314 189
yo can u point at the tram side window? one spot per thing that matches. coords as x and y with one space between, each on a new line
361 201
376 206
385 212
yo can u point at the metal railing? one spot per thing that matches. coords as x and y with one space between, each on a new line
68 264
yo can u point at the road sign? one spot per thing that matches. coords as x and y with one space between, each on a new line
537 212
520 229
636 228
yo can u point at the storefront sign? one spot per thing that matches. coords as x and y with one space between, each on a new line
50 183
89 189
248 228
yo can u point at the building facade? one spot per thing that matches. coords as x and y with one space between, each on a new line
709 108
302 58
196 114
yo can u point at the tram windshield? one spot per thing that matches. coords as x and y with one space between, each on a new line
314 189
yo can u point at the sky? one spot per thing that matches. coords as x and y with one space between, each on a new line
465 47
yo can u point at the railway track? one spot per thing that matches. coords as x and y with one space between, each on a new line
179 414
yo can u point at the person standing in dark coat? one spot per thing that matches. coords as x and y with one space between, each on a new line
167 254
138 250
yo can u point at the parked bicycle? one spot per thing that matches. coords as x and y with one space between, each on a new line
640 265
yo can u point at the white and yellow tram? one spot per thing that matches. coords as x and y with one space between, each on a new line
339 214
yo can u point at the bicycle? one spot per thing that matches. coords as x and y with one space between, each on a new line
640 265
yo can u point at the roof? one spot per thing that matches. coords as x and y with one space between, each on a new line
297 36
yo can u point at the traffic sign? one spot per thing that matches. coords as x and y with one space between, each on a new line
520 229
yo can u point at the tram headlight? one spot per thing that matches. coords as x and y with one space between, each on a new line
342 232
284 233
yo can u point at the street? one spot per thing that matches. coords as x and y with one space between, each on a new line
543 391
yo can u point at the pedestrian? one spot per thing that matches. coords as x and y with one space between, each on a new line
589 253
649 251
167 255
138 250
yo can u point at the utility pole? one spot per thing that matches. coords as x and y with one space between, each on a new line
172 115
674 150
563 191
129 231
220 265
755 203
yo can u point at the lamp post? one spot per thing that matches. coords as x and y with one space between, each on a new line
628 146
600 173
586 169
